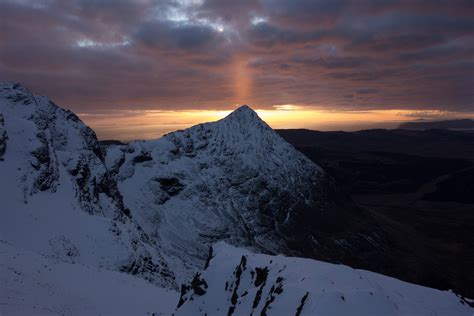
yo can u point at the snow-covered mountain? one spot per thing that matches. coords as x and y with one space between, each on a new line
138 219
57 197
238 282
234 282
237 180
153 208
149 208
234 180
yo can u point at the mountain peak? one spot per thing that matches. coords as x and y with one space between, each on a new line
244 114
244 108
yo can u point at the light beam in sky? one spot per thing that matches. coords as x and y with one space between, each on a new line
242 79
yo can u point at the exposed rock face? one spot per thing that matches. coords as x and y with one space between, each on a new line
233 180
52 167
163 202
238 282
151 209
3 137
237 180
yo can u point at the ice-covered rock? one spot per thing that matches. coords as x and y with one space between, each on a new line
57 196
152 208
238 282
235 180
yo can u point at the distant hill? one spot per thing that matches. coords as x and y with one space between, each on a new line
427 143
447 124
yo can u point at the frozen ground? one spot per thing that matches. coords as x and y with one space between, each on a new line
239 282
31 284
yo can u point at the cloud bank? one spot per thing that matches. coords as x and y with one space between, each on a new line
213 54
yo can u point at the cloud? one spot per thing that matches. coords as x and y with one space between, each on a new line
304 13
367 91
202 54
171 36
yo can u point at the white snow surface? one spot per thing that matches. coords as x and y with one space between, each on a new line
225 180
330 289
56 195
32 284
83 232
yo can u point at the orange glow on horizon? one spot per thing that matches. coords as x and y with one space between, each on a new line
151 124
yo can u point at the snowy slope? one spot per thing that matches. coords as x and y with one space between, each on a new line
58 198
31 284
235 179
75 215
238 282
152 208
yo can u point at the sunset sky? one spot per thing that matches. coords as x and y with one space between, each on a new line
138 69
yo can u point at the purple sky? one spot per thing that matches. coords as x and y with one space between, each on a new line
92 55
